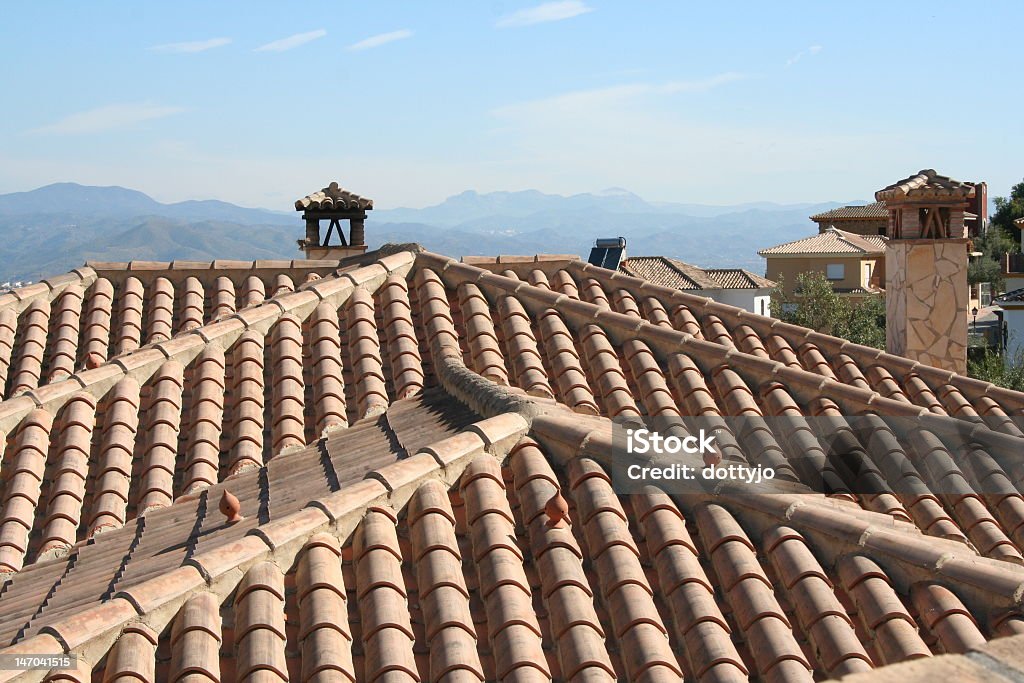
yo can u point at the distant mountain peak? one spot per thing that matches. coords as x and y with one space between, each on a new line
616 192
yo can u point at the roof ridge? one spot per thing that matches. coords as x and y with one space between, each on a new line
659 337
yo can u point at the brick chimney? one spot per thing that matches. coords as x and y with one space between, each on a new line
926 269
335 205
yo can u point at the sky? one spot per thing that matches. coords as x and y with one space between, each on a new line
259 103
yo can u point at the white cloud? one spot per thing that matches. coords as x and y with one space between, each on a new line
109 117
603 97
645 137
381 39
540 14
812 50
292 41
192 46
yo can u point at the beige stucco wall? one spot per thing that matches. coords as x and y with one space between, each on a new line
786 268
926 302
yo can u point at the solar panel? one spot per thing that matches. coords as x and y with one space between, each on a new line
612 258
607 253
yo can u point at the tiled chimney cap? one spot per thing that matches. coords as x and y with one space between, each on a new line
334 197
926 184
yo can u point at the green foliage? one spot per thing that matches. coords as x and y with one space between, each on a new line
994 244
991 366
867 322
817 305
1009 209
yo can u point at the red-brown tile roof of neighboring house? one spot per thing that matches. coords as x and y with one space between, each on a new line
738 278
873 211
832 241
421 450
670 272
334 198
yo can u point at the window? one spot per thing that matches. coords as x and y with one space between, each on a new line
867 275
835 271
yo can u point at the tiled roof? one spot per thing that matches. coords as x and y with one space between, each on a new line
832 241
673 273
421 449
334 198
926 183
668 272
738 278
1016 295
873 211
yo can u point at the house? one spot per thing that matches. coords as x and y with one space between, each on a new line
389 465
733 286
1012 304
869 219
873 218
854 264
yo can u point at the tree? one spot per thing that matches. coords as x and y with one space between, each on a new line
816 305
994 244
992 366
1009 209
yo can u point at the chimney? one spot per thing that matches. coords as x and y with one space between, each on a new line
335 205
926 269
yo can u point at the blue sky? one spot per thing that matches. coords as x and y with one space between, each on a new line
260 102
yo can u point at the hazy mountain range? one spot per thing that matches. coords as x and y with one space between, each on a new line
58 227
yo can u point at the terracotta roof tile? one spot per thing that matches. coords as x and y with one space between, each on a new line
206 420
196 639
65 332
164 420
328 380
248 403
121 421
259 627
133 657
288 425
403 347
334 198
24 481
522 345
926 183
484 351
28 367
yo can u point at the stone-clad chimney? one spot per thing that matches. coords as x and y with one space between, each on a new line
333 204
926 269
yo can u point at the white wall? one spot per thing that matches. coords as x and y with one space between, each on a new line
1014 282
1014 318
753 300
